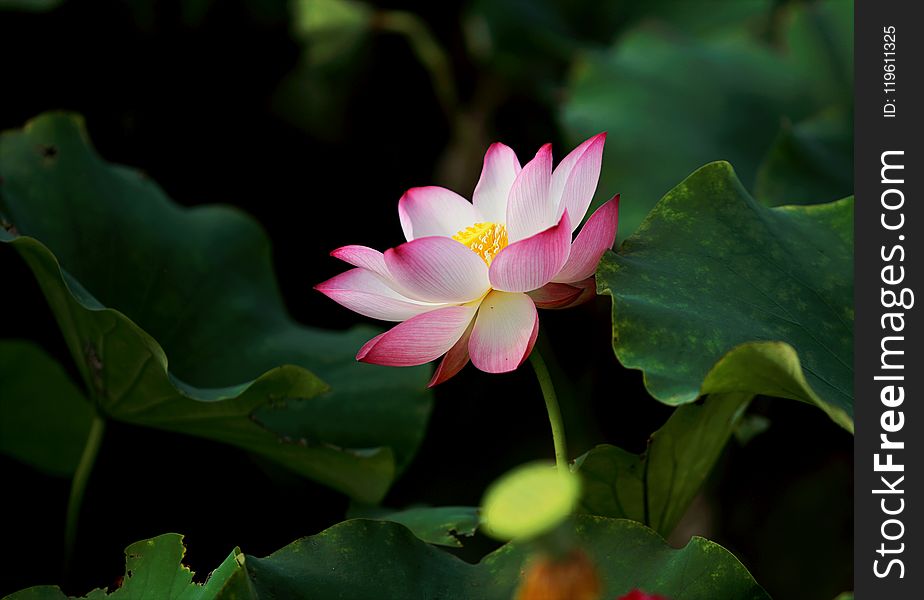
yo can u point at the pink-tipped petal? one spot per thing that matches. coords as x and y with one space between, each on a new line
555 295
504 332
529 207
438 269
454 360
587 291
532 340
595 238
426 211
364 258
366 293
531 263
501 167
575 179
371 260
418 340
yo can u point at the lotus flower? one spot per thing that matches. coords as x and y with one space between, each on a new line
466 284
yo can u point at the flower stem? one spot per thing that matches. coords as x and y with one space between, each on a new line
79 485
551 406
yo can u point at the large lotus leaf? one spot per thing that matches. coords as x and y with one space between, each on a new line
44 417
363 559
367 559
440 525
657 487
134 279
717 293
154 569
672 101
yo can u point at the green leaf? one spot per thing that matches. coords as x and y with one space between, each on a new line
154 569
362 559
718 293
529 500
44 418
808 160
134 279
657 487
673 99
368 559
440 525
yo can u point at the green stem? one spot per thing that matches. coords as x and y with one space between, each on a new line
551 406
79 485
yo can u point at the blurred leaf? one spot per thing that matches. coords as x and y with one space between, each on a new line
671 102
657 487
532 41
703 16
154 569
808 160
141 279
30 5
334 33
331 27
440 525
845 596
817 40
717 293
44 418
364 559
529 500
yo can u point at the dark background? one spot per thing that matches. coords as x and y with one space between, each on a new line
201 101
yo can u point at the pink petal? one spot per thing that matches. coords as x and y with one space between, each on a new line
532 340
531 263
363 257
595 238
426 211
529 207
504 332
454 360
438 269
555 295
588 289
371 260
418 340
366 293
575 179
500 169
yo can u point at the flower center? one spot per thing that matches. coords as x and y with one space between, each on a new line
484 239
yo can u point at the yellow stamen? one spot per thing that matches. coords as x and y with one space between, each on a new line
484 239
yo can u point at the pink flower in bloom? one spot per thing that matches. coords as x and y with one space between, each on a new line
467 282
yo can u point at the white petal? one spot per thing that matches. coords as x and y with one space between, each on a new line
426 211
497 175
